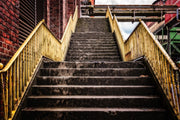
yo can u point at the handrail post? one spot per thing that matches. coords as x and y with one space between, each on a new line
1 66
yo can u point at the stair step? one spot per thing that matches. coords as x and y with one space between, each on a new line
92 54
94 45
94 101
93 39
89 41
93 71
93 65
93 48
93 90
93 58
93 80
94 114
93 51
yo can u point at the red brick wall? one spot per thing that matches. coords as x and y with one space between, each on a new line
9 15
9 31
58 13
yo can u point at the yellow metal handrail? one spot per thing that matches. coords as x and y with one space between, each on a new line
143 43
17 74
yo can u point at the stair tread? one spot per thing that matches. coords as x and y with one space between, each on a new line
66 77
97 109
120 62
92 97
96 86
93 68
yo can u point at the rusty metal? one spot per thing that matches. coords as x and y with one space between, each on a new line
129 10
126 13
146 19
139 7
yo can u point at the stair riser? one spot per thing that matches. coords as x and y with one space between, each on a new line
96 40
111 115
93 65
92 51
93 28
92 72
92 91
123 103
94 81
94 58
93 37
92 34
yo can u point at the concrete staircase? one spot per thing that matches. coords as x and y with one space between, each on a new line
93 84
93 41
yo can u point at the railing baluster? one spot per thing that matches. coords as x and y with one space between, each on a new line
6 95
25 67
10 92
3 94
21 77
14 86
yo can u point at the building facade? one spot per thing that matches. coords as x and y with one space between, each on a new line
19 17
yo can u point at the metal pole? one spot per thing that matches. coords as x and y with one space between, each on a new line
168 42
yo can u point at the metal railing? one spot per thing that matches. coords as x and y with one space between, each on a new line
16 75
143 43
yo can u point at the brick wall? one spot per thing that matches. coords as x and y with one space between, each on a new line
58 13
9 15
9 31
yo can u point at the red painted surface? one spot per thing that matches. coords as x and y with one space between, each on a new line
92 2
169 17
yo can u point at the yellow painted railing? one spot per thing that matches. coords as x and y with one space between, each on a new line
143 43
16 75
